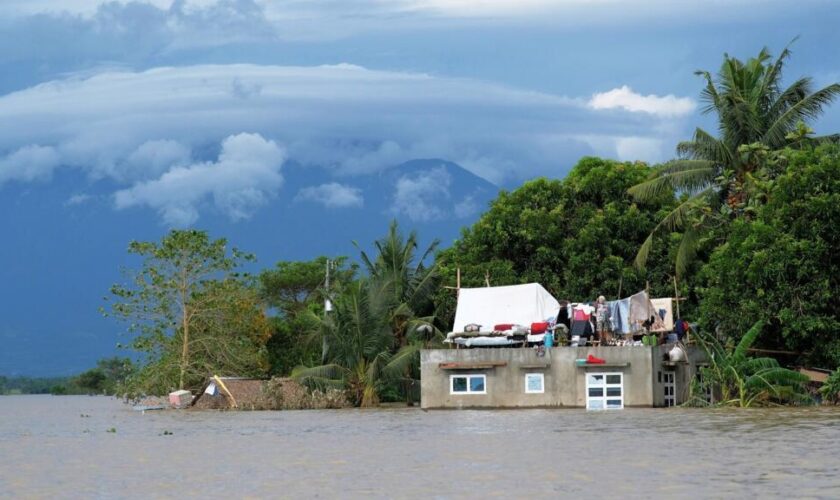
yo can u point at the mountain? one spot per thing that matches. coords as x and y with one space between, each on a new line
66 245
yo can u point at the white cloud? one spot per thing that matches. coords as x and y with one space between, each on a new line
419 196
29 163
624 98
77 199
245 175
332 195
466 208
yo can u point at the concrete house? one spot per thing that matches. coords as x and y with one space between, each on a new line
489 368
632 376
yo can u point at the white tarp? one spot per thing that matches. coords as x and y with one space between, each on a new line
517 304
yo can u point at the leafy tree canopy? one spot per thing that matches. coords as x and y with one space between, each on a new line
783 266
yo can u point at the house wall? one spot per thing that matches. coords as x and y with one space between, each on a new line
684 372
564 381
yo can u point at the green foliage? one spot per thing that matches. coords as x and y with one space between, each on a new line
32 385
830 390
379 324
576 236
190 314
782 267
756 117
743 381
295 290
108 377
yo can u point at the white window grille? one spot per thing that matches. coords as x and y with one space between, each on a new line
604 391
468 384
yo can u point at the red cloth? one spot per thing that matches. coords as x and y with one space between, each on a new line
503 327
537 328
580 315
592 360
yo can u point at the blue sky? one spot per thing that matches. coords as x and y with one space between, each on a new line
121 119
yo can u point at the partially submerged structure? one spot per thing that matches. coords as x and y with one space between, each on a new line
501 359
223 393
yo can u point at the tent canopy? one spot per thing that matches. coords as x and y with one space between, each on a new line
517 304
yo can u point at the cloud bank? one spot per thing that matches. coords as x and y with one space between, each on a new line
158 132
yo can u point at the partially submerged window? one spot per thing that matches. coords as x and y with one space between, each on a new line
468 384
604 391
534 383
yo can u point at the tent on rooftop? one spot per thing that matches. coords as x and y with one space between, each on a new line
517 304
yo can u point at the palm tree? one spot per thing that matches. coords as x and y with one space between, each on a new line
380 323
745 381
756 116
405 283
358 347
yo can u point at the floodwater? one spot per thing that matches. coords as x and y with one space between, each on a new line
61 447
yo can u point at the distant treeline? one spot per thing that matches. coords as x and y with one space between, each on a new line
105 378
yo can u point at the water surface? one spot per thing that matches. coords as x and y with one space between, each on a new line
48 449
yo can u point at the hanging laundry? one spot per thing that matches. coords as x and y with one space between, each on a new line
664 309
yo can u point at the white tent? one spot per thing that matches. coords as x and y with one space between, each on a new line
517 304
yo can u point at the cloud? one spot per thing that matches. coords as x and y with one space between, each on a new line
466 208
29 163
332 195
624 98
77 199
419 196
245 175
351 119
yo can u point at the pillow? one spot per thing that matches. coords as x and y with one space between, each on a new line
472 327
503 327
520 329
540 327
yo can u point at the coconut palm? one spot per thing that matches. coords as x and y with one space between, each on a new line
357 348
756 117
374 335
744 381
405 284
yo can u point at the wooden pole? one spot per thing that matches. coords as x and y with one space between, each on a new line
487 277
677 297
458 281
620 282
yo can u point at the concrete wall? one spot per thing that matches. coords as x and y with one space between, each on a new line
565 382
684 373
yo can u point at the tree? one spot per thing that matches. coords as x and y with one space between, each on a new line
403 281
576 236
745 381
782 267
177 287
292 286
756 117
379 323
359 343
295 291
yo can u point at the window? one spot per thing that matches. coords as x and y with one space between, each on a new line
604 391
534 383
468 384
668 388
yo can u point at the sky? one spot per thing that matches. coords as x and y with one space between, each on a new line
281 124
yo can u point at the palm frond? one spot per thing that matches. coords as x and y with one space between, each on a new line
810 107
673 221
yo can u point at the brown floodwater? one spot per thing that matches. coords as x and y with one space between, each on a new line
61 447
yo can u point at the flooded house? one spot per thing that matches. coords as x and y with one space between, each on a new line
509 364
